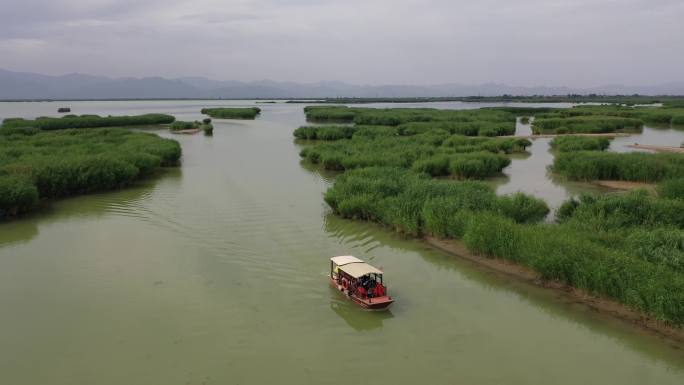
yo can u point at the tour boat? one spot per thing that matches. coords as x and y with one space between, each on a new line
361 282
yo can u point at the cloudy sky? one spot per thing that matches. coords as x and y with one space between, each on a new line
577 43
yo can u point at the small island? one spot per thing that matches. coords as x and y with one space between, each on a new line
89 121
232 113
182 127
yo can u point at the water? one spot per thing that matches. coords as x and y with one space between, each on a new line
215 273
529 173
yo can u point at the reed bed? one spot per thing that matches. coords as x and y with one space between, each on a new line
579 143
398 116
192 127
329 114
618 211
467 128
232 113
435 153
627 247
474 128
592 124
569 255
588 251
634 166
325 132
408 201
672 114
75 161
88 121
180 125
672 188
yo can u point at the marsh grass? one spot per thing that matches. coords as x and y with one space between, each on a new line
232 113
180 125
579 143
592 124
646 278
406 201
672 188
627 247
76 161
634 166
326 132
435 153
88 121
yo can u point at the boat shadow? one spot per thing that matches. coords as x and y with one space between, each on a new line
357 318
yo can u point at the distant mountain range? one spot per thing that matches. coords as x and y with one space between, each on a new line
26 85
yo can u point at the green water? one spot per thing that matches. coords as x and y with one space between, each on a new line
215 273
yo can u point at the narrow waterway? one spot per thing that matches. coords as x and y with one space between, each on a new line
215 273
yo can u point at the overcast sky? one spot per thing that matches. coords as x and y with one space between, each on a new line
577 43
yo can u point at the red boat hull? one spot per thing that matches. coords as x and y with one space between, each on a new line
376 303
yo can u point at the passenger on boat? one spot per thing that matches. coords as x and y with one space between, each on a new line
379 290
362 292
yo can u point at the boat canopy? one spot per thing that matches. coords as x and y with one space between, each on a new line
354 266
345 260
359 269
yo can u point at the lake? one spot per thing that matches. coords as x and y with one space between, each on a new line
216 273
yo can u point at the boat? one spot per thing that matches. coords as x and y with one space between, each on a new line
361 282
63 110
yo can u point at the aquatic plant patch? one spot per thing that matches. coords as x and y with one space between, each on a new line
232 113
76 161
634 166
579 143
88 121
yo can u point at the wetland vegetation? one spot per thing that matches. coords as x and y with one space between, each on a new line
36 165
633 166
409 121
88 121
626 247
437 153
579 143
232 113
628 100
606 118
205 125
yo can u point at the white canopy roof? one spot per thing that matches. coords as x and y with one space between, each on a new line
360 269
345 259
354 266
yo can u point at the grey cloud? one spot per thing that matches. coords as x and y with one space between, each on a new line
527 42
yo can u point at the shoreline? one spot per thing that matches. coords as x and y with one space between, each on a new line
602 305
625 185
590 135
670 149
190 131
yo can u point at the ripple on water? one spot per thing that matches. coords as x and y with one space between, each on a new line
233 232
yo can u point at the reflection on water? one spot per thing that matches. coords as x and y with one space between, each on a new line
357 318
17 232
129 202
314 169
